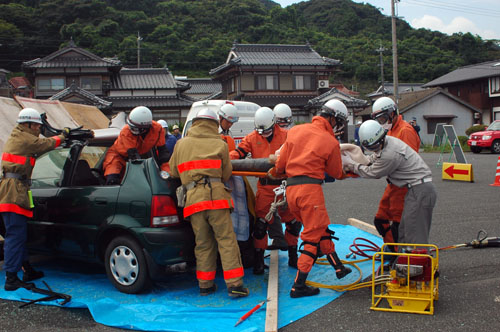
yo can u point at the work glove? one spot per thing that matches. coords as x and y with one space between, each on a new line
272 159
273 175
65 132
112 179
133 154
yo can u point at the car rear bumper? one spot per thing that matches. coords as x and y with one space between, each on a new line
167 246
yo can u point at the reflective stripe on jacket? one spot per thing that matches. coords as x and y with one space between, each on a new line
19 155
199 155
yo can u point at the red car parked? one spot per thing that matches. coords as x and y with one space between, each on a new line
488 139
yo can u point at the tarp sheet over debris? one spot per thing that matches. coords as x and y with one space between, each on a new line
177 306
59 114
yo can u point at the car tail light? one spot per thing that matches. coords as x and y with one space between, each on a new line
163 211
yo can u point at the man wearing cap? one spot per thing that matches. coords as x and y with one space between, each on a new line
356 132
18 160
415 126
170 139
176 132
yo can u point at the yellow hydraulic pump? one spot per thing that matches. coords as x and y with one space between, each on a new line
414 279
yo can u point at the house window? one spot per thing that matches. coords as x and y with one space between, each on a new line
90 83
231 85
266 82
50 84
494 85
303 82
432 123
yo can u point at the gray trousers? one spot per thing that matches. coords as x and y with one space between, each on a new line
417 214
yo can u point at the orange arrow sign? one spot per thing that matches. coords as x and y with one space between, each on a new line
451 171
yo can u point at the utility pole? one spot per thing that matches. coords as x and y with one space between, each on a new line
139 38
394 51
381 49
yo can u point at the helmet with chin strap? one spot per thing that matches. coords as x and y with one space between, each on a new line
383 109
337 109
264 120
139 120
371 135
283 115
229 112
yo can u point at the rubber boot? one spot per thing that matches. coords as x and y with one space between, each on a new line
29 273
292 256
208 290
12 282
258 265
300 289
340 270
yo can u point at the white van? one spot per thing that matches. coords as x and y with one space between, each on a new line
246 113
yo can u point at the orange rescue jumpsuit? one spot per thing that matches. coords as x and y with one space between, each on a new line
311 150
116 157
260 147
392 202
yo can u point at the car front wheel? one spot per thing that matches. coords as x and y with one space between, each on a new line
126 265
495 147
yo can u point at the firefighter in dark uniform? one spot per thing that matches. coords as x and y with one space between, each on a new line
18 159
201 161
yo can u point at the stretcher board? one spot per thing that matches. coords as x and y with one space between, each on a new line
272 294
363 226
246 173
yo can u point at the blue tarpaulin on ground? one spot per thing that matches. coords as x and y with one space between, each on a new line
177 306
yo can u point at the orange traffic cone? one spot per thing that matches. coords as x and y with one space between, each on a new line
497 175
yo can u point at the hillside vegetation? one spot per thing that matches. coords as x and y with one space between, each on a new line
192 36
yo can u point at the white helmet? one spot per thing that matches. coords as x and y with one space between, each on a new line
283 115
229 112
163 123
264 121
139 120
207 114
29 115
336 108
383 108
371 134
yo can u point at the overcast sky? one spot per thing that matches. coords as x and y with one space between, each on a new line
479 17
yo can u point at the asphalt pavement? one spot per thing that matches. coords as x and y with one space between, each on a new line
469 285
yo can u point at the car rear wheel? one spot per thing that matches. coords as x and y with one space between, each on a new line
475 149
495 147
126 265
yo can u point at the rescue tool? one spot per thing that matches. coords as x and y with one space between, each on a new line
249 313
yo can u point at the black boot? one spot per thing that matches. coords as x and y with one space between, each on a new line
29 273
292 256
237 291
12 282
299 288
340 269
258 265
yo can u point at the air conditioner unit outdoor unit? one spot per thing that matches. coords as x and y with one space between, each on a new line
322 84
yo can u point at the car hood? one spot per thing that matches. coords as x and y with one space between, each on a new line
481 133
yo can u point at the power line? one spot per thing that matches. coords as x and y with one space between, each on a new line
455 7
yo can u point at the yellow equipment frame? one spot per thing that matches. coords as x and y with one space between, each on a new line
401 293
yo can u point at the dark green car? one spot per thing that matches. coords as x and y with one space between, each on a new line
134 228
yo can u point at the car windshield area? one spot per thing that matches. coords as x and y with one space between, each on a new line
494 126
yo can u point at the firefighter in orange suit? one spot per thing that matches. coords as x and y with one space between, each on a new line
228 115
18 160
305 166
391 205
138 137
261 143
201 161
